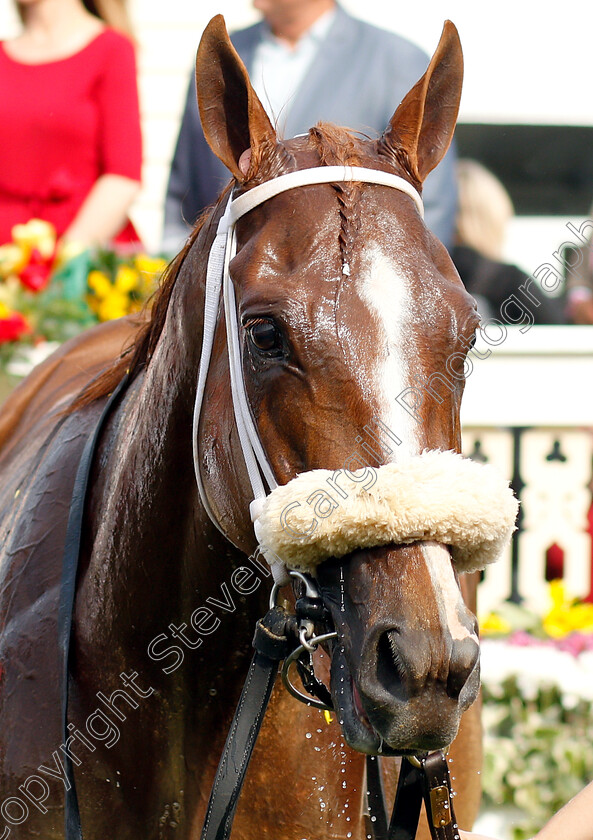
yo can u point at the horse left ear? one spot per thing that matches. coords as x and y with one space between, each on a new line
423 125
233 119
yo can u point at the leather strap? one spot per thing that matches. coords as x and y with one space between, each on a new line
376 799
73 829
408 801
272 645
429 782
238 748
437 797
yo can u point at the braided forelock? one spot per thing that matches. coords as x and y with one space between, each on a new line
337 146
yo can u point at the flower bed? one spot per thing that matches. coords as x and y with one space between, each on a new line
50 293
537 676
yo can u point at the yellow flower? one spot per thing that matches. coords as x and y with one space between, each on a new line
556 625
126 279
113 306
10 290
149 265
566 615
13 258
36 234
99 282
4 310
557 591
582 617
150 269
494 625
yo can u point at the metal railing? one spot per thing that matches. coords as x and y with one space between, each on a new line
528 410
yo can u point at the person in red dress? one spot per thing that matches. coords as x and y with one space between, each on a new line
70 138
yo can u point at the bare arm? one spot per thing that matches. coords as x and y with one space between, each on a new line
104 211
573 822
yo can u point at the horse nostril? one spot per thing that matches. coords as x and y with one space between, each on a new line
391 669
464 656
405 663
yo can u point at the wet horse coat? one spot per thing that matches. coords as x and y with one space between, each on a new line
166 603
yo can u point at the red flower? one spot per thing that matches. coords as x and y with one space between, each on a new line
35 275
12 327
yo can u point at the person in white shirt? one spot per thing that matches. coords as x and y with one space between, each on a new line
309 60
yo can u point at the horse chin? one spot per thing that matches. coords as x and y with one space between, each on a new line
357 729
374 738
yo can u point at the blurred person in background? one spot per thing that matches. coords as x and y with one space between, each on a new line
70 138
308 61
484 212
579 275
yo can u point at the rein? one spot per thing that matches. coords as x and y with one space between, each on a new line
72 828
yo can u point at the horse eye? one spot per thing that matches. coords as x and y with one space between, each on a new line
265 336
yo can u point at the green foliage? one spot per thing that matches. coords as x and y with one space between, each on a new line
55 318
538 752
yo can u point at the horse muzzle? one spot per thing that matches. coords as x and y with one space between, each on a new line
385 548
406 663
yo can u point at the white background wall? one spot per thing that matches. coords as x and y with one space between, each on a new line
524 63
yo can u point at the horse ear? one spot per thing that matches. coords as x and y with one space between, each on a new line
423 125
233 119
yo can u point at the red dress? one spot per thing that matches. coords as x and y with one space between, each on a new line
62 125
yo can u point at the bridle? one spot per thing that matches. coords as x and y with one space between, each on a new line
219 284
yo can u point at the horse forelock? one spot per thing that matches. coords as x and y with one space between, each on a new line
340 146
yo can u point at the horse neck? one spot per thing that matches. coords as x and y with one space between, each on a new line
150 537
326 779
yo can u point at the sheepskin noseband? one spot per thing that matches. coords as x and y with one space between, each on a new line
438 496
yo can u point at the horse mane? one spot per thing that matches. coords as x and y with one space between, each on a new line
335 146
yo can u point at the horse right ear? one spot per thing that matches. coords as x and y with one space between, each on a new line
233 119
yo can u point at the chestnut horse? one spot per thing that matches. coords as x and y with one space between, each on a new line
344 299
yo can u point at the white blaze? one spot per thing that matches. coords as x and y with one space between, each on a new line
387 293
447 593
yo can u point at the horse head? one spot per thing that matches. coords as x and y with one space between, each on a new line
353 329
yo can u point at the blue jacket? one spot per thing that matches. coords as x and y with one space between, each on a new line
357 79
